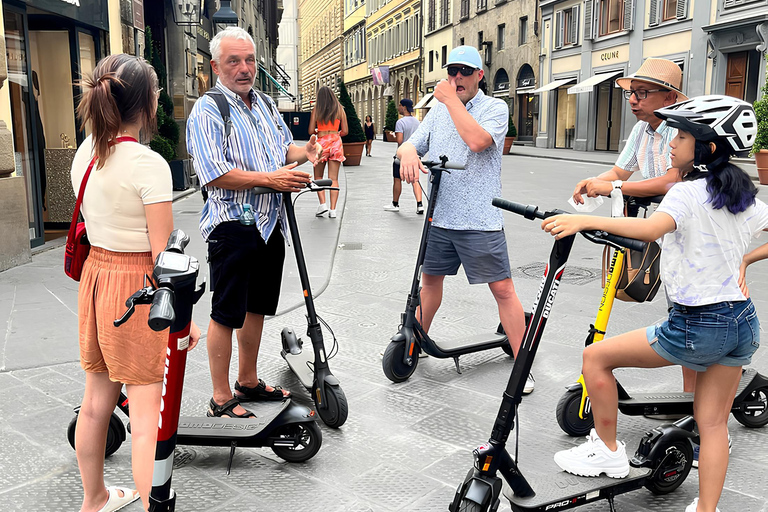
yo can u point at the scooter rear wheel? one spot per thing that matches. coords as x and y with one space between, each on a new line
754 419
392 363
567 413
672 473
336 413
310 439
115 434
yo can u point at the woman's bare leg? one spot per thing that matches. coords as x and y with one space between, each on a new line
333 174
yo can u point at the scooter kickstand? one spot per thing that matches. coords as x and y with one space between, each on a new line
456 361
231 456
611 504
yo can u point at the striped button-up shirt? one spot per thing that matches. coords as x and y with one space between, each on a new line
464 198
648 150
258 142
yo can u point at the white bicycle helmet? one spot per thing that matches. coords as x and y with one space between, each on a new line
711 117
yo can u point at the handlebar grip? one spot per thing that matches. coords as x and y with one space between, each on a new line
323 183
437 163
177 241
629 243
528 211
264 190
161 313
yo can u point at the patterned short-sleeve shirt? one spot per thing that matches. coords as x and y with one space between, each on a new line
464 198
648 150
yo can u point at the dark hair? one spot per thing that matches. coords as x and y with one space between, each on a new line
328 108
367 117
122 90
728 186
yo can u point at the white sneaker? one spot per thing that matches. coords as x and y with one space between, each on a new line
693 506
332 214
391 208
321 209
593 458
530 384
420 209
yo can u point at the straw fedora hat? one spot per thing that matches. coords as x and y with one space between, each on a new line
661 72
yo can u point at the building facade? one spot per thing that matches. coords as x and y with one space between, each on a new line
355 56
287 54
585 46
320 47
507 35
437 44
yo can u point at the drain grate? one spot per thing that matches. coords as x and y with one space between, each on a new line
351 246
574 275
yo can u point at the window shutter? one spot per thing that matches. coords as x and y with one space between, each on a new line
682 9
559 28
629 14
575 24
588 28
654 20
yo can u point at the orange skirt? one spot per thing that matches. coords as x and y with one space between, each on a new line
132 353
332 148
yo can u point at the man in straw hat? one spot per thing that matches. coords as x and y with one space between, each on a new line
655 85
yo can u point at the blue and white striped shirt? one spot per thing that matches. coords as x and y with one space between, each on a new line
648 150
258 142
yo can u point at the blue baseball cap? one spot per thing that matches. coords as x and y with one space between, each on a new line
465 56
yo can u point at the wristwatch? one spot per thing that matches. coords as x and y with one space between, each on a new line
617 184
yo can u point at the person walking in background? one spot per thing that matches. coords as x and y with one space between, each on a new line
404 128
329 121
127 212
370 134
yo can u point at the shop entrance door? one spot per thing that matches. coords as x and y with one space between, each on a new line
25 130
736 78
608 117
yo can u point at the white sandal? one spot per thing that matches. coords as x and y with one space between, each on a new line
116 502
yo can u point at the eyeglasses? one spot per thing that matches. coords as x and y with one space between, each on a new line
465 70
642 93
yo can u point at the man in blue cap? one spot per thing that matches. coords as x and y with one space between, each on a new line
467 230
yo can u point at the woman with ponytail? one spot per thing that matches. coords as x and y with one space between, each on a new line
128 216
707 222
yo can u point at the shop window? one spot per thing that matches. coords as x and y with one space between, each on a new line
523 34
500 37
565 123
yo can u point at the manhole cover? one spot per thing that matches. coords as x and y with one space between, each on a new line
182 456
351 246
574 275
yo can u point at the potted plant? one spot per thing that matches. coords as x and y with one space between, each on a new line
760 147
354 141
389 122
511 134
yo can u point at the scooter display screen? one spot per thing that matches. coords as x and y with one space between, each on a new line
171 262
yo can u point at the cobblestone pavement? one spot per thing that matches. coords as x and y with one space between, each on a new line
405 447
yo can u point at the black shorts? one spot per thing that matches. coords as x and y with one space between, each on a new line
246 272
396 170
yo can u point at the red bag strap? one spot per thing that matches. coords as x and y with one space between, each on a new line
78 203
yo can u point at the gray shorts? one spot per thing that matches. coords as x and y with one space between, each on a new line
482 253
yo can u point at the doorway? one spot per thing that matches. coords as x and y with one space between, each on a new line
742 75
609 106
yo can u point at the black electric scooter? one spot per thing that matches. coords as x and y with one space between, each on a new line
286 427
402 354
661 463
311 367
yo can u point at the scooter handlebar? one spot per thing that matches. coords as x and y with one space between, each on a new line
312 185
531 212
161 313
439 164
177 241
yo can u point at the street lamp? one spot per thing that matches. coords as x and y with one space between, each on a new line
224 17
187 12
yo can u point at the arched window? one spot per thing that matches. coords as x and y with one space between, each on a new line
501 81
525 77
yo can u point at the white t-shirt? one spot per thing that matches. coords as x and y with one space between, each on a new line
113 206
700 260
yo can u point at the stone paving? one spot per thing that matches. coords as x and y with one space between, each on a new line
405 447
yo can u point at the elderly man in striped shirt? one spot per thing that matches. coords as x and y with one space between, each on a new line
655 85
246 260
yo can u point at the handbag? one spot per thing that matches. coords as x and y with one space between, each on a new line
78 246
640 274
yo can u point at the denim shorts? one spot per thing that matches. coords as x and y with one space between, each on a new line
726 333
482 253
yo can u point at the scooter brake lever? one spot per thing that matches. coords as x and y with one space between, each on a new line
120 321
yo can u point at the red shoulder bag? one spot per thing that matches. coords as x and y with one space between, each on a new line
78 246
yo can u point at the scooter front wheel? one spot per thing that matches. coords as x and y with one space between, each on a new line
470 506
335 413
309 438
754 419
115 434
567 413
392 363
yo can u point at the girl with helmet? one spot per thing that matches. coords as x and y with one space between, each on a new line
707 222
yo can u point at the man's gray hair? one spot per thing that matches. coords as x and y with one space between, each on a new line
229 33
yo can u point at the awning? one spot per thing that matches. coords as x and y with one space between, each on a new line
277 84
588 84
554 85
524 90
424 102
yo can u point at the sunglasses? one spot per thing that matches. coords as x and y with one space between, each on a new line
464 70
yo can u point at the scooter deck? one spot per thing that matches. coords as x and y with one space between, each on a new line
467 342
562 490
302 365
204 431
657 403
